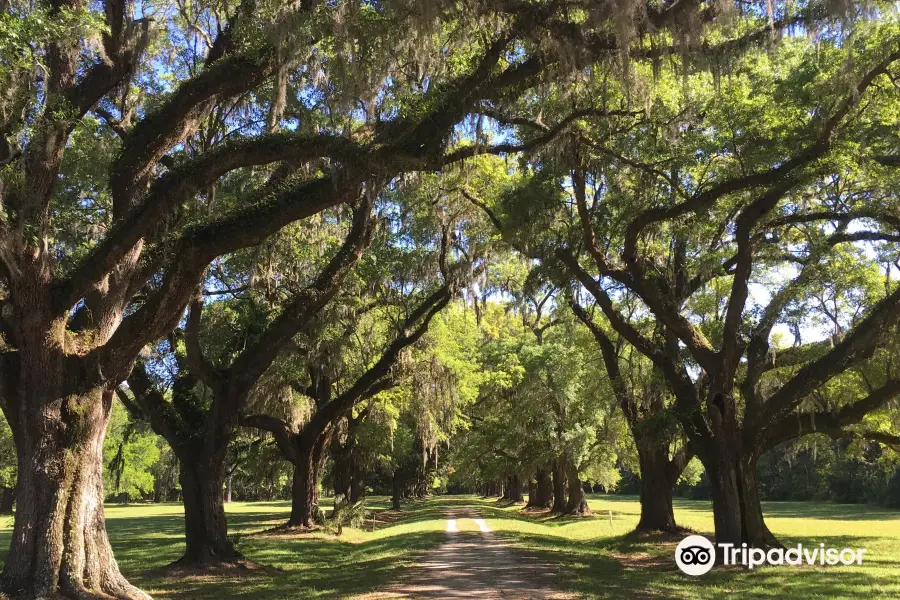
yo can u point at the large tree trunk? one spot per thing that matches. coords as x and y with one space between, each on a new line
59 544
205 526
577 504
304 497
355 472
656 487
559 486
730 464
515 489
305 486
543 489
756 532
723 482
737 512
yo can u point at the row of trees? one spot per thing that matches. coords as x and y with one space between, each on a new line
241 217
691 232
123 194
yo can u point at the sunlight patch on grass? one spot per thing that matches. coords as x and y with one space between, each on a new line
593 558
598 560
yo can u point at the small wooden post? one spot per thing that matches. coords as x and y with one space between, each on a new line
610 519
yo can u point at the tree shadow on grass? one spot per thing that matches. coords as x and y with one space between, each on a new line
491 509
415 511
312 567
625 567
494 508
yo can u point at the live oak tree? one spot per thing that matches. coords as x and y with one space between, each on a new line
200 435
305 447
119 134
662 454
79 303
441 376
407 283
348 465
670 206
488 452
542 403
568 397
644 400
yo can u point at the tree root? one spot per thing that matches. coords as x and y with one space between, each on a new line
121 591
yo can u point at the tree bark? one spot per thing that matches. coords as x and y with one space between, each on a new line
200 442
559 486
59 544
303 491
515 489
731 467
205 525
723 481
543 489
756 532
305 486
577 504
657 513
737 511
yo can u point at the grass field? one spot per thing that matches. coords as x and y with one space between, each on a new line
599 560
595 558
146 537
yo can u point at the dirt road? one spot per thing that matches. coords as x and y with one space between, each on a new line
477 565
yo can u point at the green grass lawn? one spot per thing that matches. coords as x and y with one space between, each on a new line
598 560
595 558
319 565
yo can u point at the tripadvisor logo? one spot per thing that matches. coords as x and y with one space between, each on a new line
696 555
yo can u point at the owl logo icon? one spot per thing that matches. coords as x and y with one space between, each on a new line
695 555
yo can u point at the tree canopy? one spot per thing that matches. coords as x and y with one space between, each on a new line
518 246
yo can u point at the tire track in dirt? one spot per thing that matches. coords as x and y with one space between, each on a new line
476 565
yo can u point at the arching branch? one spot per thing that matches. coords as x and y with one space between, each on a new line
857 345
280 430
833 423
